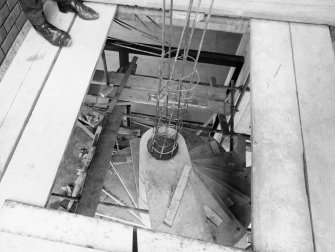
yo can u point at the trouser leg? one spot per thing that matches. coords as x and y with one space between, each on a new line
33 9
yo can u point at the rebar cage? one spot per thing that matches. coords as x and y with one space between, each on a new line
173 94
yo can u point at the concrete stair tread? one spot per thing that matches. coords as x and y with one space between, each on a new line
238 180
230 230
241 207
222 161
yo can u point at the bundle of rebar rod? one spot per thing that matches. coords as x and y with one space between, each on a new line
172 99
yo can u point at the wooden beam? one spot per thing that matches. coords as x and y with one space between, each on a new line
121 85
142 90
139 82
211 215
280 213
315 79
242 50
308 11
145 97
101 161
30 174
64 227
96 174
177 195
205 124
24 81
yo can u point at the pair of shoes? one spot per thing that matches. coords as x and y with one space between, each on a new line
78 8
55 36
58 37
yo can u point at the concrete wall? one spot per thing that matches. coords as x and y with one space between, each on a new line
12 20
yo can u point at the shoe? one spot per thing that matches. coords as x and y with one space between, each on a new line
55 36
79 8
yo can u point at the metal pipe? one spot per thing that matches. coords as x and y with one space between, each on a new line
232 114
170 33
76 199
136 29
193 26
116 21
180 41
244 89
135 49
203 34
153 21
105 67
138 18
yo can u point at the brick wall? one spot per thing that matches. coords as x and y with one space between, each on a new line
12 20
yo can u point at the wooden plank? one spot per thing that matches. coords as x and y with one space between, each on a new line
24 80
315 78
135 148
306 11
64 227
151 241
85 129
210 214
215 147
241 51
89 200
17 243
223 124
242 119
38 154
122 83
141 96
279 201
96 174
212 82
205 124
177 196
151 84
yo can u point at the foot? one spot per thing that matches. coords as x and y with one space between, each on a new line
79 8
55 36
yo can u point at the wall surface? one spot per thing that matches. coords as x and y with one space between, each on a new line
12 20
